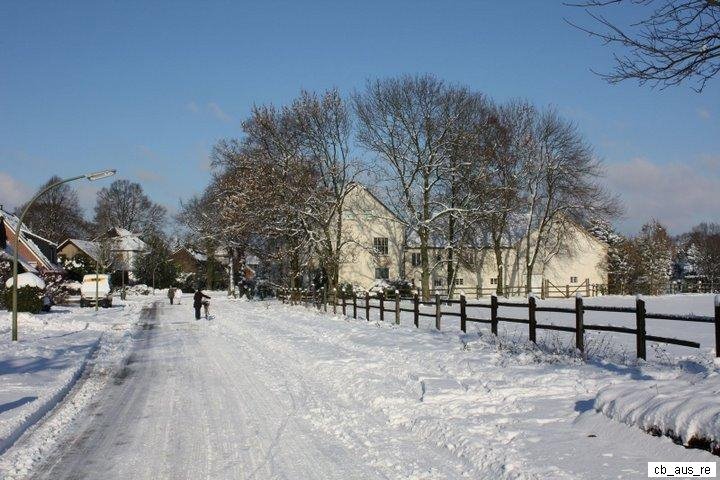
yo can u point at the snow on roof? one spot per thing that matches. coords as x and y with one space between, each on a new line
91 249
13 221
123 240
200 257
128 243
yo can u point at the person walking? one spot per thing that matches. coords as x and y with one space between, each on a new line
171 295
198 302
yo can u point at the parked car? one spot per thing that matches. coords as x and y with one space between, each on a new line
93 285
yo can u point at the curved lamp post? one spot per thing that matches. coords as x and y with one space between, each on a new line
90 176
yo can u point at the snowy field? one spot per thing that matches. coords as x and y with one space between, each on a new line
265 390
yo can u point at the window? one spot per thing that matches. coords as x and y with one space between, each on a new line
459 281
415 260
573 279
380 244
438 282
493 281
382 273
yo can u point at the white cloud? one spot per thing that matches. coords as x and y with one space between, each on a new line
218 113
680 195
13 192
193 107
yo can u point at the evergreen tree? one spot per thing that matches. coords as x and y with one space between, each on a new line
156 264
655 255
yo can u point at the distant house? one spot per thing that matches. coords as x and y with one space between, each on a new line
74 246
375 247
188 260
124 246
36 254
121 248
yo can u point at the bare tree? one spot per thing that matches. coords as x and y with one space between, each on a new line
410 123
559 186
325 131
57 215
678 40
124 204
505 142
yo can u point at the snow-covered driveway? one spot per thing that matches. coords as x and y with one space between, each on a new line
267 391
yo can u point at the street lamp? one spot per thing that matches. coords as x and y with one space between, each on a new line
91 177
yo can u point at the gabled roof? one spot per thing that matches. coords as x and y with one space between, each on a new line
198 256
362 187
26 238
91 249
123 240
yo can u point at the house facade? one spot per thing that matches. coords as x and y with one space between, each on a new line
575 265
373 240
375 247
74 246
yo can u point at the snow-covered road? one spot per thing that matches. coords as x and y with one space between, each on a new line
267 391
194 402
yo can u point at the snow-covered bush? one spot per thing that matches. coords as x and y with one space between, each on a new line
347 290
29 299
388 288
56 288
78 266
139 289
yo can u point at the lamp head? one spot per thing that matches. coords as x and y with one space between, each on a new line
100 175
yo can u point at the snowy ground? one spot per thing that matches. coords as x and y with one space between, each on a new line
265 390
53 352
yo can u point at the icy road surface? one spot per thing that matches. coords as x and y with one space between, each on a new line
268 391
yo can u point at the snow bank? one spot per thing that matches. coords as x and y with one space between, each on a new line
36 376
686 409
40 370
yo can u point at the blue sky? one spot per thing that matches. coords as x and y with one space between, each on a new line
148 87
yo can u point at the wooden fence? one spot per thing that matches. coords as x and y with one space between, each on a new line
364 305
546 290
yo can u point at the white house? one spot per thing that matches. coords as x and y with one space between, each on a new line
376 247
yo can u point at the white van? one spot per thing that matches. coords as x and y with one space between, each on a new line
96 285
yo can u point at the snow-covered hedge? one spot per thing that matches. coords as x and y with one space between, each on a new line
686 409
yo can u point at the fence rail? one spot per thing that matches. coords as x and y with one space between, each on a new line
321 301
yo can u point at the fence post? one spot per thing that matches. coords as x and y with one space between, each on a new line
438 314
640 320
717 326
567 291
334 300
354 305
324 293
381 296
579 324
587 287
532 319
416 310
397 307
493 314
367 306
344 303
544 289
463 315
